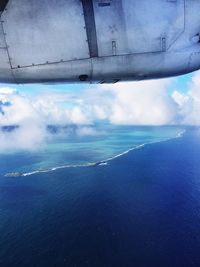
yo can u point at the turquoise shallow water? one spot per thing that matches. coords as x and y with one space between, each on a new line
102 143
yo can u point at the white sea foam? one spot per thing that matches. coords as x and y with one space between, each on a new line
99 163
103 164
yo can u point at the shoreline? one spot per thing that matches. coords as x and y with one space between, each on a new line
91 164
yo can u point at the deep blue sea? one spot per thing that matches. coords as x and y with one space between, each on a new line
122 196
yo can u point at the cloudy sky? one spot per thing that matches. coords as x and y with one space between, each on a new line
158 102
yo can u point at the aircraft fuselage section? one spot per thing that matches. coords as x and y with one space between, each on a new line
54 41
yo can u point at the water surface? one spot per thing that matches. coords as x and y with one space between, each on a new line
141 209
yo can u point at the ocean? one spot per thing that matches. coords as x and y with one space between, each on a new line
105 196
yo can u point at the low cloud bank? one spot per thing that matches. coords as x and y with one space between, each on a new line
139 103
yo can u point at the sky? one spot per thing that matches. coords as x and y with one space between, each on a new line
172 101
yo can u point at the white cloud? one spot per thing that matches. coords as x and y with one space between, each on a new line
189 103
27 137
7 91
133 103
20 111
179 98
141 103
88 131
